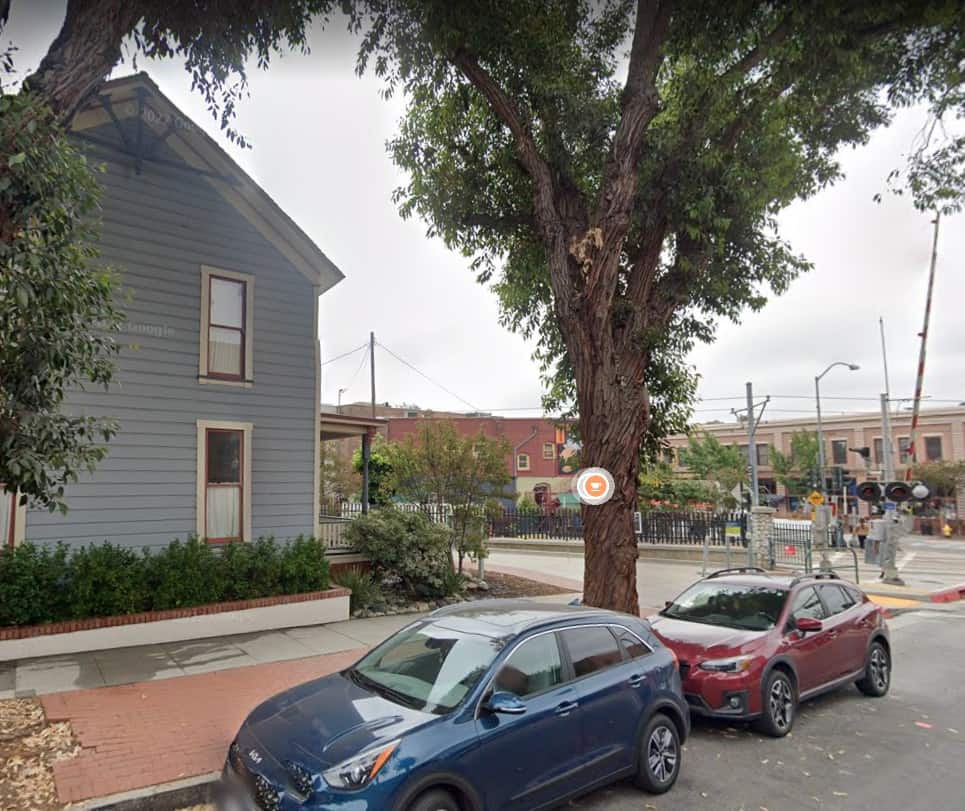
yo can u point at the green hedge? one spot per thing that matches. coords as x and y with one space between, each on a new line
42 584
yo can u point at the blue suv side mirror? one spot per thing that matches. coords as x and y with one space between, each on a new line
505 703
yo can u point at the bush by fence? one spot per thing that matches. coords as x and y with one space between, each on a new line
42 584
407 546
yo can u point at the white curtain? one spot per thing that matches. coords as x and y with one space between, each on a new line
225 354
6 516
224 512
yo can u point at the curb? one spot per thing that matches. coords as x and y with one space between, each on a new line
163 797
948 595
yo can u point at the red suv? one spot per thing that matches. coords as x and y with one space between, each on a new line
752 644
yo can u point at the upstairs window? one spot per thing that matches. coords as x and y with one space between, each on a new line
933 448
839 451
522 461
904 450
549 450
226 326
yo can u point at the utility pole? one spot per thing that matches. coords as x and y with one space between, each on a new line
884 356
888 473
912 438
752 445
372 366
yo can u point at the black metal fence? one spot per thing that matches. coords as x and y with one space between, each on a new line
565 523
695 528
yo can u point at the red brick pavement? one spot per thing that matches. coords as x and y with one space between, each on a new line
138 735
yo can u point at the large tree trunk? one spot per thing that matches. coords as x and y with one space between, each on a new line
83 54
613 420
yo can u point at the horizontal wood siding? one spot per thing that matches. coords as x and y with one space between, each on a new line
158 229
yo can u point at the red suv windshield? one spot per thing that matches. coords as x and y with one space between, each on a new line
747 607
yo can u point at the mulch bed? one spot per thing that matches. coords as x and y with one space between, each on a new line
507 585
29 746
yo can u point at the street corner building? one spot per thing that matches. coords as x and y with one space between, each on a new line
217 385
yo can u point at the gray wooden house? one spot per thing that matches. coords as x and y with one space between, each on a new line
218 382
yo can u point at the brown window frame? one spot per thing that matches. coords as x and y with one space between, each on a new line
241 329
240 485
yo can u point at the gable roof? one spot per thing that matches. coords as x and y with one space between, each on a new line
130 96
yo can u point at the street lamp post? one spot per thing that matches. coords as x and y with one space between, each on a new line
817 401
822 514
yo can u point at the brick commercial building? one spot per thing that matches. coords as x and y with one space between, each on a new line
941 436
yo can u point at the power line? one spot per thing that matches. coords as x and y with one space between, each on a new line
423 374
343 355
357 370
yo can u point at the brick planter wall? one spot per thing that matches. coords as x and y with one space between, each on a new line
91 623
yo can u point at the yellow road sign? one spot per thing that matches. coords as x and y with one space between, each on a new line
816 498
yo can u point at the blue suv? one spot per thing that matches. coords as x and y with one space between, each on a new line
490 705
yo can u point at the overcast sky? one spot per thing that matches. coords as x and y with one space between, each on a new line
318 135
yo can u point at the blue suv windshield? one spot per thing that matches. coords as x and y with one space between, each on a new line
430 666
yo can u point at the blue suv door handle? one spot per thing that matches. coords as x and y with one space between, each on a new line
636 680
566 708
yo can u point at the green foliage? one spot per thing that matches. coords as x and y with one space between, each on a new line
406 546
526 506
710 459
439 464
366 592
941 478
659 486
380 472
795 469
517 114
184 574
39 585
304 567
338 477
32 583
57 311
105 581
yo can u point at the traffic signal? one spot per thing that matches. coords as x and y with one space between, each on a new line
837 479
897 491
869 491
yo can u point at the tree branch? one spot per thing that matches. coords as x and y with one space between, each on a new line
532 161
504 224
759 52
639 105
549 196
83 54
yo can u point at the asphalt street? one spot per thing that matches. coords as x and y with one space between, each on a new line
903 752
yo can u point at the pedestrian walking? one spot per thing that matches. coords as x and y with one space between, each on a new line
862 532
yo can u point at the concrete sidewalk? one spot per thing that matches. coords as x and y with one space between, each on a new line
53 674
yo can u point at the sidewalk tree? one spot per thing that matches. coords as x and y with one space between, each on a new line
796 469
621 205
58 315
57 311
714 461
943 479
659 485
337 475
438 464
381 481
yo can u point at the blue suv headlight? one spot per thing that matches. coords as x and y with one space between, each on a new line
359 771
